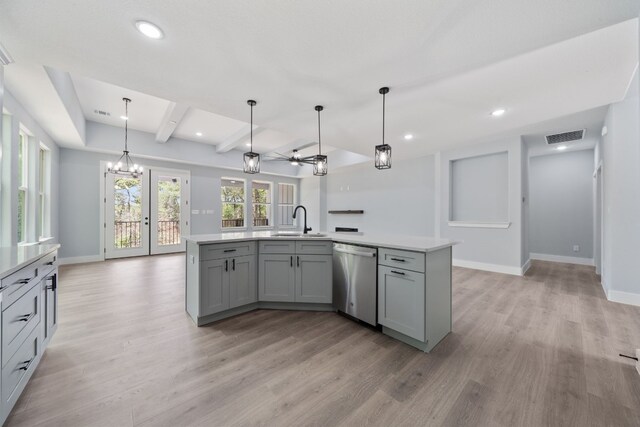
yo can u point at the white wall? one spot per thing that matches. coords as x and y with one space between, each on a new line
561 204
397 200
490 248
18 116
80 201
621 175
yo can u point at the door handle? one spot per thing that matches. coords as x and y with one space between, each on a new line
298 261
233 264
291 260
226 265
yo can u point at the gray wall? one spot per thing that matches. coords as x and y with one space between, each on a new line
498 247
621 176
397 200
561 204
80 202
480 188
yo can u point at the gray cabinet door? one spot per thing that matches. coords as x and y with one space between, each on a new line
314 278
49 306
401 301
276 278
214 286
243 283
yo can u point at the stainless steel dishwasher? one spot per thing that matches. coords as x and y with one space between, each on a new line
355 287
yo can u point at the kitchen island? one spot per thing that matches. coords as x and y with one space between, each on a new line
233 273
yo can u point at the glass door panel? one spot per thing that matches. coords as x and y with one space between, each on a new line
169 210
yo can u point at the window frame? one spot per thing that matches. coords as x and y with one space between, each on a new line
44 189
269 205
23 186
244 205
280 204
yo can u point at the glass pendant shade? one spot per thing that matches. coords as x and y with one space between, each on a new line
251 162
125 165
383 151
320 167
383 156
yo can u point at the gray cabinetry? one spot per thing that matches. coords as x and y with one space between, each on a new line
29 319
314 278
303 274
214 293
242 281
277 276
401 301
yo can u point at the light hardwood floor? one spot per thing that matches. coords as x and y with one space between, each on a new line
538 350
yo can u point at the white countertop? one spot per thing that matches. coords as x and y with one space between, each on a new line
13 258
393 241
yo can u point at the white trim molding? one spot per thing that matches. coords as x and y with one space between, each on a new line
80 259
623 297
496 268
563 259
526 267
471 224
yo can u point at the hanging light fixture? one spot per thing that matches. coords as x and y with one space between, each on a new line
320 167
383 151
124 165
251 159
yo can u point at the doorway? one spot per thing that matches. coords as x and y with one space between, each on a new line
146 215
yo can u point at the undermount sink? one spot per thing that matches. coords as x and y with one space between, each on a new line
289 234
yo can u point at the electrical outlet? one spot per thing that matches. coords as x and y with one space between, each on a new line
576 248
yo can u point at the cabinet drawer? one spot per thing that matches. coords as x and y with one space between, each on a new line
407 260
19 368
15 285
47 264
314 247
18 321
277 246
224 250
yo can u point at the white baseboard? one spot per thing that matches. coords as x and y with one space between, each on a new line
80 259
563 259
496 268
623 297
526 267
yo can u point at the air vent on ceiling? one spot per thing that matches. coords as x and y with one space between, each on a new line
102 113
558 138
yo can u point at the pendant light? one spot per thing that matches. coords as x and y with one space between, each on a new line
383 151
124 165
320 167
251 159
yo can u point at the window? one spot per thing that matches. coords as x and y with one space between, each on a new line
43 191
286 204
23 179
261 198
233 201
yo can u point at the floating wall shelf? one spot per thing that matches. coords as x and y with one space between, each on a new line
347 212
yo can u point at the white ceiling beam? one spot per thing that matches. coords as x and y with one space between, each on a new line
298 144
236 139
170 121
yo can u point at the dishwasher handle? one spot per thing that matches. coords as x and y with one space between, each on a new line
359 253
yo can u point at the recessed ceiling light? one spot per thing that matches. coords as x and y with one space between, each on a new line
150 30
248 144
198 133
498 112
408 137
172 122
124 117
562 147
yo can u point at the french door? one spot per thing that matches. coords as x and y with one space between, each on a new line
147 215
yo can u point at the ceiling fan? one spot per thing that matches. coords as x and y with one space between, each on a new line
295 158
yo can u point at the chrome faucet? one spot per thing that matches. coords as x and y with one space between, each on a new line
306 229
